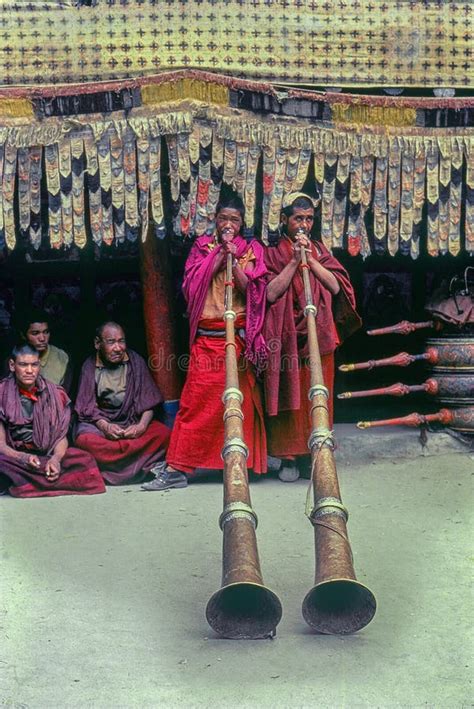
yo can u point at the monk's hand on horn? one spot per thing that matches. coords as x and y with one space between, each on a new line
301 239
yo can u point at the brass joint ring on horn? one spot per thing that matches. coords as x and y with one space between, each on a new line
237 510
329 506
310 309
232 393
230 315
233 411
321 437
318 389
235 445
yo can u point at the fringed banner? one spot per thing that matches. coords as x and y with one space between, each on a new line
470 202
206 196
406 202
455 202
354 213
131 197
35 196
183 225
276 197
269 166
327 198
78 167
432 194
217 173
250 187
93 182
380 205
156 196
143 164
340 200
394 185
65 182
365 199
8 190
390 177
117 186
24 190
53 181
105 172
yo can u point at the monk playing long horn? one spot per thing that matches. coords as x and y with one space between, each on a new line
287 377
199 429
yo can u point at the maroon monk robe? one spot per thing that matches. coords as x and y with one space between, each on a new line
126 460
286 378
49 424
198 433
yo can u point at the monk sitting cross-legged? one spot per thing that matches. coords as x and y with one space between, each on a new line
35 460
114 406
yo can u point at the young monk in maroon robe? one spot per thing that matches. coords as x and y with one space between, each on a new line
35 460
198 433
287 377
114 405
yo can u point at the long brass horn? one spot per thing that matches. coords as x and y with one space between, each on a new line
243 607
338 603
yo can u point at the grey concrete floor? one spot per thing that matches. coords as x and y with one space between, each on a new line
103 598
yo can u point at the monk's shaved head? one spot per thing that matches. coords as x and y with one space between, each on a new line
100 330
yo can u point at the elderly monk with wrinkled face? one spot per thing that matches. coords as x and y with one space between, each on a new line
35 460
115 409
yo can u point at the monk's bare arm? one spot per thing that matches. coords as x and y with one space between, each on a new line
52 468
324 276
138 429
281 283
6 450
21 457
145 419
112 431
218 263
60 449
241 280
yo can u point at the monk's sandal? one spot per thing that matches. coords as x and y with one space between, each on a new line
166 479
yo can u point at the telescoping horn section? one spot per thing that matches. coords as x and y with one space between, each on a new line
337 603
243 608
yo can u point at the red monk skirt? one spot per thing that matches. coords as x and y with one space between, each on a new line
289 431
79 476
127 460
198 434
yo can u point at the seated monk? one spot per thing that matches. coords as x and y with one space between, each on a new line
35 460
34 328
114 405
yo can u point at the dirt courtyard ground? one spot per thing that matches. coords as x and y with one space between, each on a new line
103 598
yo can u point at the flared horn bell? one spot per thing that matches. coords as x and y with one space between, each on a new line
339 606
244 611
